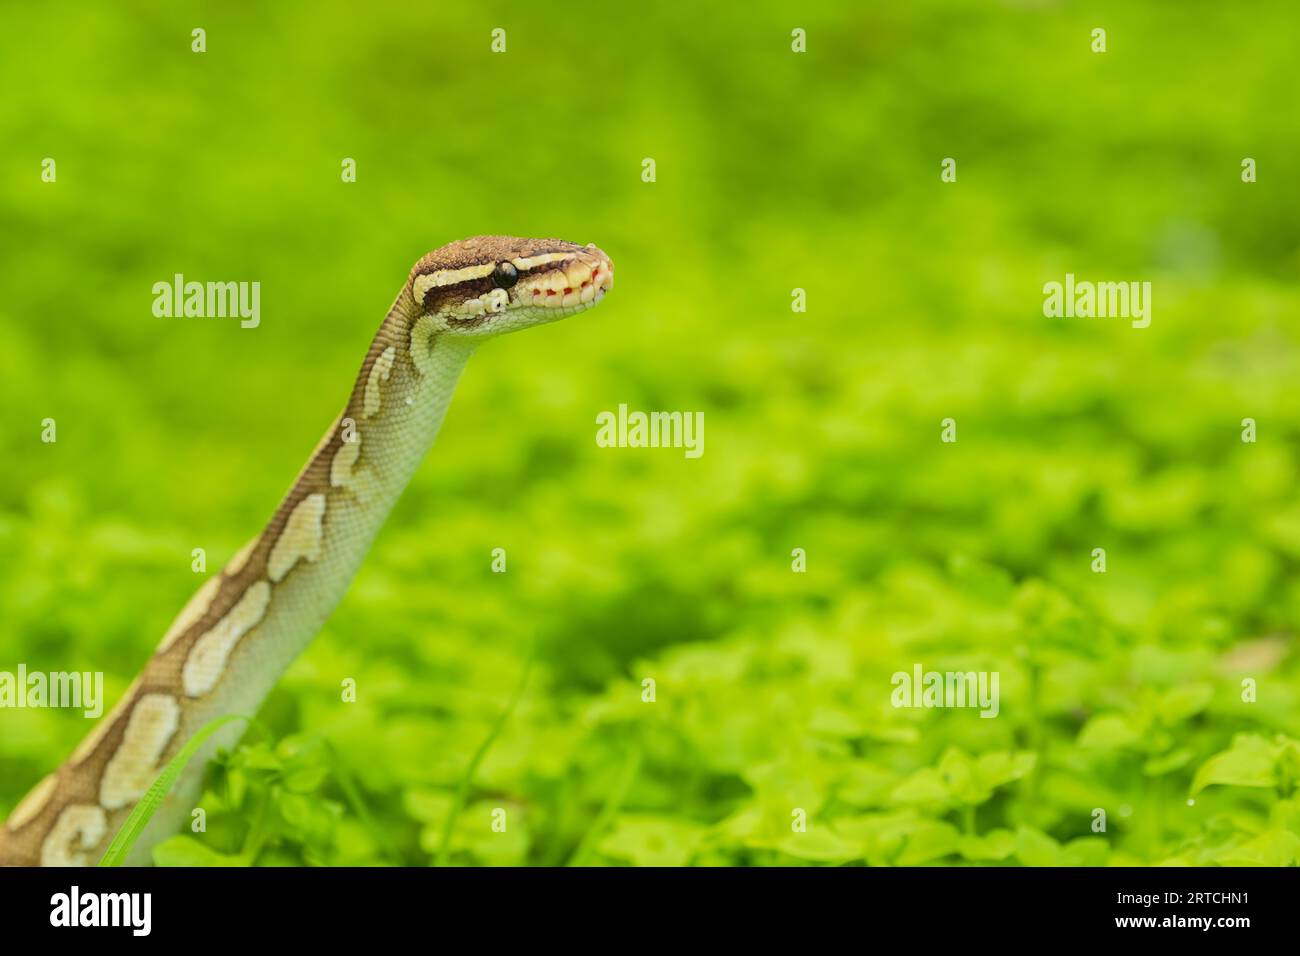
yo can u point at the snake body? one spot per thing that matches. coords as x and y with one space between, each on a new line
245 624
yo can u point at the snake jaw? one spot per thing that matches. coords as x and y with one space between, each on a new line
582 280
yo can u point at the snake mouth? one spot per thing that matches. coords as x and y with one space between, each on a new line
583 280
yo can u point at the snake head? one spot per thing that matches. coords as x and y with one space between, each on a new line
489 285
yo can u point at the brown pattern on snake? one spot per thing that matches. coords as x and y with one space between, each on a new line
469 252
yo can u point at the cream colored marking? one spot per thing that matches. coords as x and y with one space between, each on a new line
471 307
444 277
300 538
344 459
422 344
33 803
379 372
207 659
92 740
524 264
134 765
196 607
79 827
420 288
496 300
344 472
236 563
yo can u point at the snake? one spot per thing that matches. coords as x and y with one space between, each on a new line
245 624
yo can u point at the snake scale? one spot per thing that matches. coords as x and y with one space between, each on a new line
245 624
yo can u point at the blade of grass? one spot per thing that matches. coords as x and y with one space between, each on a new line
616 797
462 791
130 831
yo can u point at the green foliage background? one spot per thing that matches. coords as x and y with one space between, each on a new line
1120 690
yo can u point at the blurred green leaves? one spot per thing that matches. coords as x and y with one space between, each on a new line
1252 761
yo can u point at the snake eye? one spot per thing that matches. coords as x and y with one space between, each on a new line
505 275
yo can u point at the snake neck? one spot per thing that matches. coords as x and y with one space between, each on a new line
315 543
245 625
